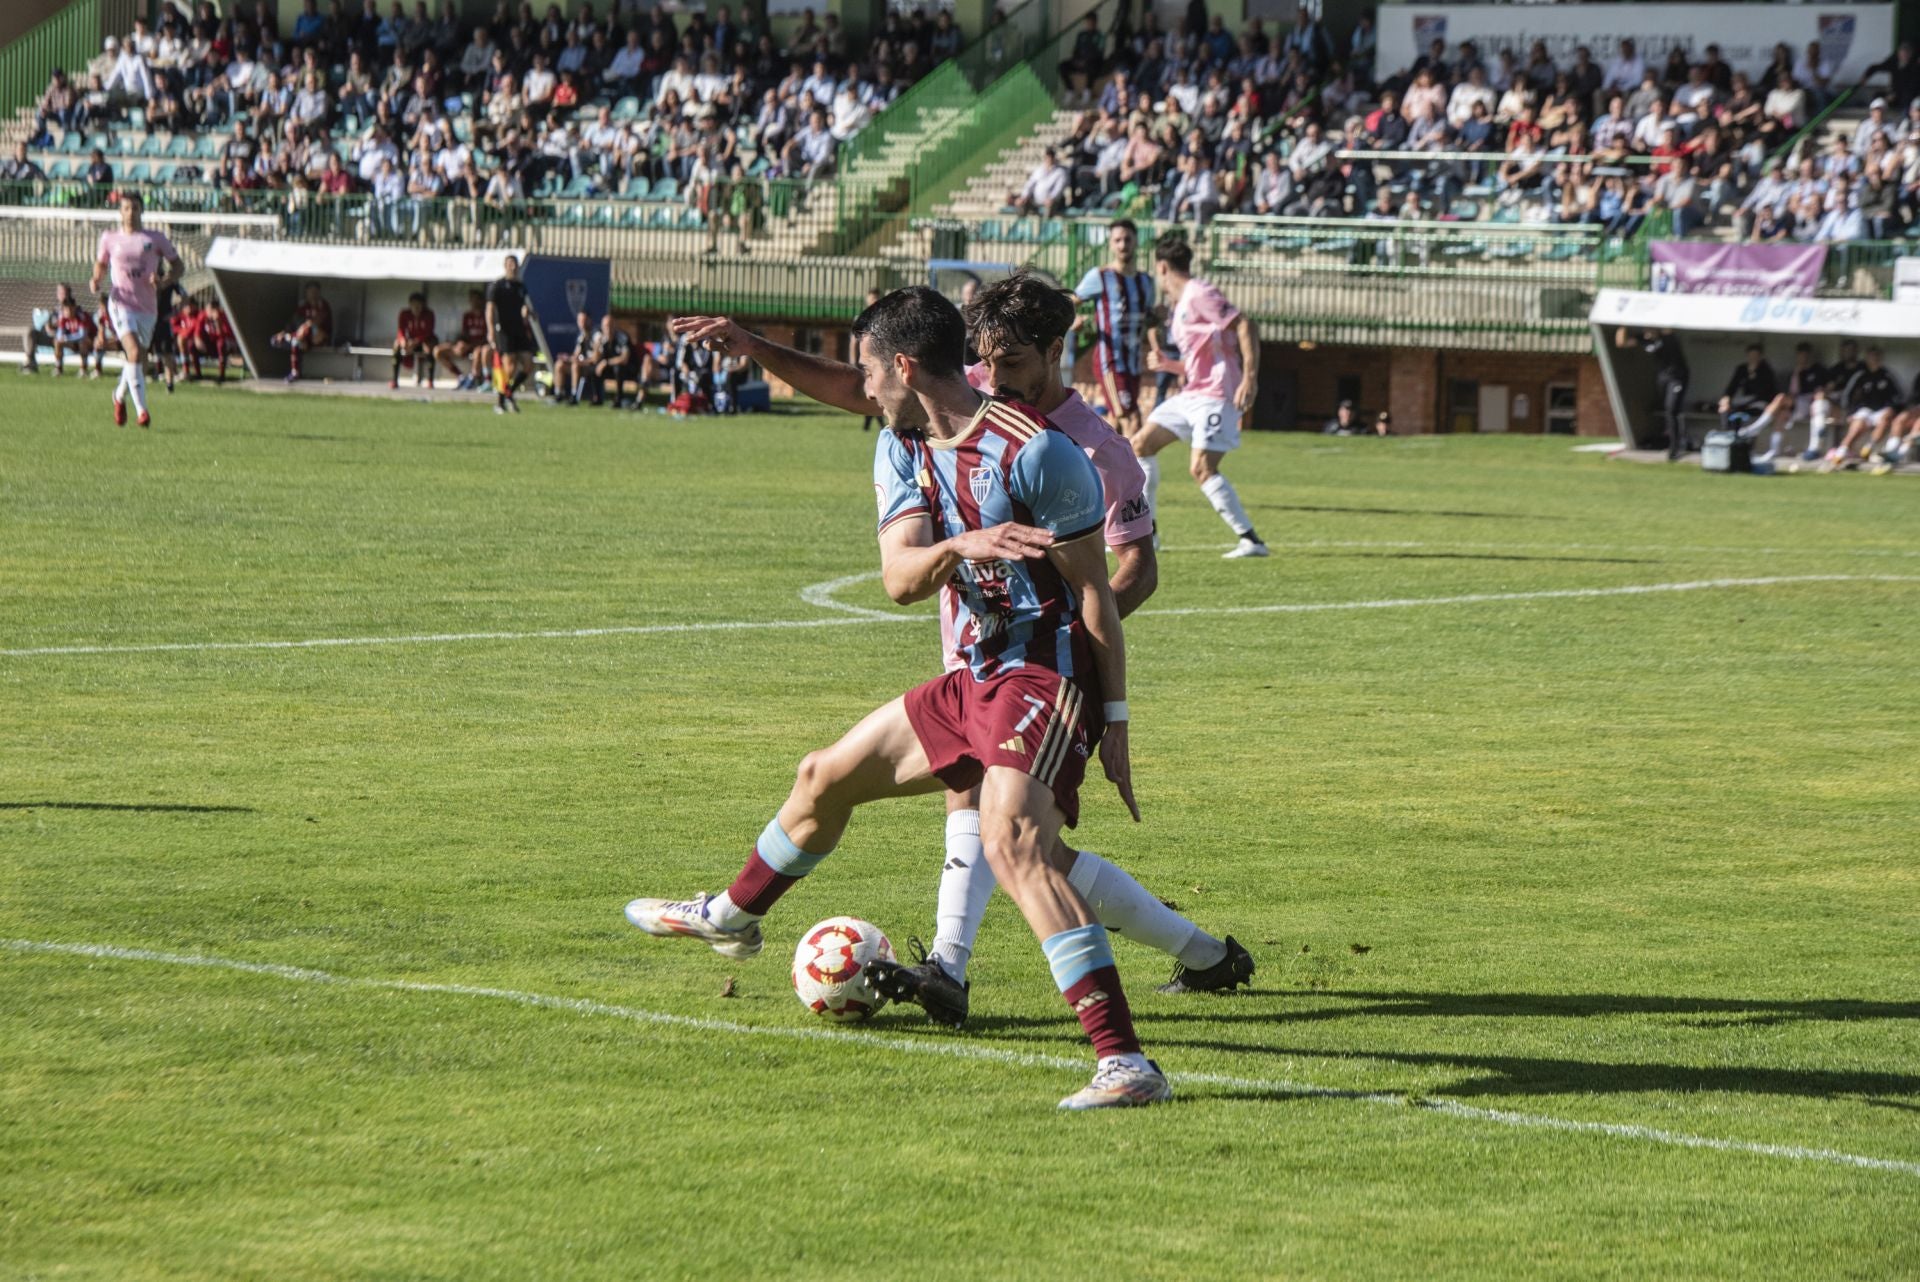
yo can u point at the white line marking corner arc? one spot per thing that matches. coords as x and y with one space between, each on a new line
1439 1105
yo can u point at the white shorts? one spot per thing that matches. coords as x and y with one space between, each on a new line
1200 421
127 321
1877 418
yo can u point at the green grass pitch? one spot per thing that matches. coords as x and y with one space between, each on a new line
1586 923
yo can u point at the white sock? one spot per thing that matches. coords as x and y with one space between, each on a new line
727 915
119 388
966 884
1220 492
1132 1059
1151 467
136 376
1124 905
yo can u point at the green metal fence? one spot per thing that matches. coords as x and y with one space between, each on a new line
68 40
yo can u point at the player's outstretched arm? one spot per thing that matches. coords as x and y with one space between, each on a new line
1083 564
913 566
830 382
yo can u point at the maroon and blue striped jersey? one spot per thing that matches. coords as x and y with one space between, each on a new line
1009 465
1122 302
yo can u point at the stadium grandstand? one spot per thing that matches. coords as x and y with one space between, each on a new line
1415 205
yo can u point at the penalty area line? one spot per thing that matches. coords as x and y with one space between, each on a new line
963 1051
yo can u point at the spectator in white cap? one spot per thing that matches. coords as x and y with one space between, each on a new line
1876 123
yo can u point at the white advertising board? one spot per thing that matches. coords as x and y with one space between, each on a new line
357 262
1862 318
1853 37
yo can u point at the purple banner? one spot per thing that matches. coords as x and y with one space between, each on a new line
1707 267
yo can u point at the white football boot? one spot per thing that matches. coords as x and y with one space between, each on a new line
1117 1084
669 917
1246 547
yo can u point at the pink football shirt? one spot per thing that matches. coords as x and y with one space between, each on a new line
133 258
1201 323
1128 516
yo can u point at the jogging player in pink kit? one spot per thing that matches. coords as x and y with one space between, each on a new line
1018 326
140 263
1219 361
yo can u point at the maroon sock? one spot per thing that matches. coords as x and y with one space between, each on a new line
758 887
1101 1007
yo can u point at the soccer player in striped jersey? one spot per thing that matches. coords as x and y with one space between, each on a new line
1219 360
1122 297
985 495
1019 327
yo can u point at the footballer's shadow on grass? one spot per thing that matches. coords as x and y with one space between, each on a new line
1476 556
1713 1012
1509 1075
1406 511
130 806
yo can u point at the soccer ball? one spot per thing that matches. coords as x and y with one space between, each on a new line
830 968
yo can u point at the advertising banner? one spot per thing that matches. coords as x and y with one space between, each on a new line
1857 318
1709 267
1852 38
559 288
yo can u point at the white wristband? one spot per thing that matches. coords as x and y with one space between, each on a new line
1115 710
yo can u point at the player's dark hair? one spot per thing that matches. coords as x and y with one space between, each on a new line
1020 311
416 297
1173 250
917 322
1123 224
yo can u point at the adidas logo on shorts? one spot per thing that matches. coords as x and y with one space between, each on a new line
1015 744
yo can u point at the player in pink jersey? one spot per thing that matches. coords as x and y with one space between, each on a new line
1219 356
1018 328
141 262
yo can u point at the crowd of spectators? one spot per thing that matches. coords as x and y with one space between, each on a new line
1190 124
411 103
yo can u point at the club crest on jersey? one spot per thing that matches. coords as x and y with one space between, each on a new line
980 481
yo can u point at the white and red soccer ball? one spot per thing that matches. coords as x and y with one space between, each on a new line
830 968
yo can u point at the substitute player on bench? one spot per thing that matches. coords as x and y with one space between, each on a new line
415 339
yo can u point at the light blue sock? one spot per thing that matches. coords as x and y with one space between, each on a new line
1075 954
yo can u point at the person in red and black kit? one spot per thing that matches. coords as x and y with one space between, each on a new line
312 327
470 347
414 339
212 336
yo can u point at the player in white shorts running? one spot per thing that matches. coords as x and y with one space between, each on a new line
141 263
1220 387
1022 326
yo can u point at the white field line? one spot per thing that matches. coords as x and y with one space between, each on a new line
821 596
968 1051
1282 546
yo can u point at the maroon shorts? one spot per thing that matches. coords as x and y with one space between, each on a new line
1029 719
1125 387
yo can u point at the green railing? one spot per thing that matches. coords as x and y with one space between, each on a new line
1423 283
67 40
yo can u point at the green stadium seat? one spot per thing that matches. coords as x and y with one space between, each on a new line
73 142
163 173
581 186
604 216
662 216
626 109
666 189
136 174
152 145
136 118
208 147
691 219
59 170
1052 230
635 217
180 146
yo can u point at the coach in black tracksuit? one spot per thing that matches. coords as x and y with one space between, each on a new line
1670 366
